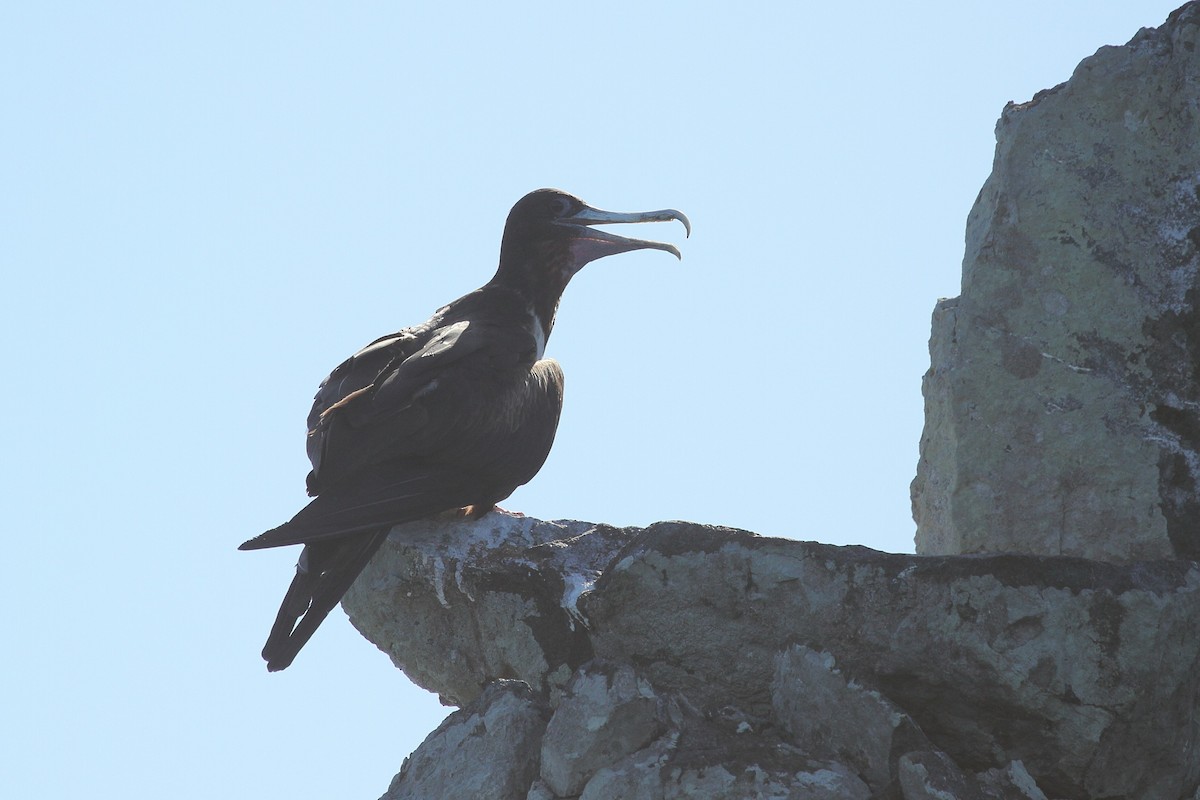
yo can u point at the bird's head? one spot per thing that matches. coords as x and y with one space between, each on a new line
550 236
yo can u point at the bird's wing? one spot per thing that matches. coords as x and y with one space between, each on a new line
354 374
367 405
425 436
362 368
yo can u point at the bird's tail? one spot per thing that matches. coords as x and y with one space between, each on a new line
340 531
325 572
386 498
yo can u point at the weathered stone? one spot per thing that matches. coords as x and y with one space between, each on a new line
1063 398
540 791
718 783
1085 671
606 713
488 750
827 715
702 761
933 776
459 603
828 782
927 775
1012 782
637 775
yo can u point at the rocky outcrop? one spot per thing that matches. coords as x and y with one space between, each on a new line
690 661
1063 426
1062 405
483 752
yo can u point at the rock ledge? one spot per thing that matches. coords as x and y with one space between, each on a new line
709 662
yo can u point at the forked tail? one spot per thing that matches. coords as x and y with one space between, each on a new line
325 572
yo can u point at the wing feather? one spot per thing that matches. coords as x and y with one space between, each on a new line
417 405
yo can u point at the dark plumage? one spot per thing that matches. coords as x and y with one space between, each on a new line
454 413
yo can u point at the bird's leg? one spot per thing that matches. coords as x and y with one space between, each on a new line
474 511
477 511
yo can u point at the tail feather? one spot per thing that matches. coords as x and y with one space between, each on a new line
340 530
325 573
368 505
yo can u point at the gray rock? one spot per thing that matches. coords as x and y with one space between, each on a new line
459 603
540 791
829 782
1062 404
926 775
718 783
606 713
1086 672
828 715
933 776
637 775
1012 782
700 760
488 750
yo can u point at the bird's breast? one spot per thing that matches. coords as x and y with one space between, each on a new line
531 399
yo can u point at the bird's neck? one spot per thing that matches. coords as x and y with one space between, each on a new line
538 290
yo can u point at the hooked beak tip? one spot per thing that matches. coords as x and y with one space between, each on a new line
687 225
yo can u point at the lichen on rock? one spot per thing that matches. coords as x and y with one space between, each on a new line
1062 404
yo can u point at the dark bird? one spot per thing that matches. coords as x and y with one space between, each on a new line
454 413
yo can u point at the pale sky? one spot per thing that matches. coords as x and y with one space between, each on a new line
205 209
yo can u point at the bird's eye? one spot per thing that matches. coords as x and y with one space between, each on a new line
562 206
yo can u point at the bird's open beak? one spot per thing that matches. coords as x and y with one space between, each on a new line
590 243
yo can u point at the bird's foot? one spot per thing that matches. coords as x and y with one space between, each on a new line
477 511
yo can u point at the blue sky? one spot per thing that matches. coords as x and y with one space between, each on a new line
205 209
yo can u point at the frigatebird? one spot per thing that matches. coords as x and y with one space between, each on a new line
454 413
